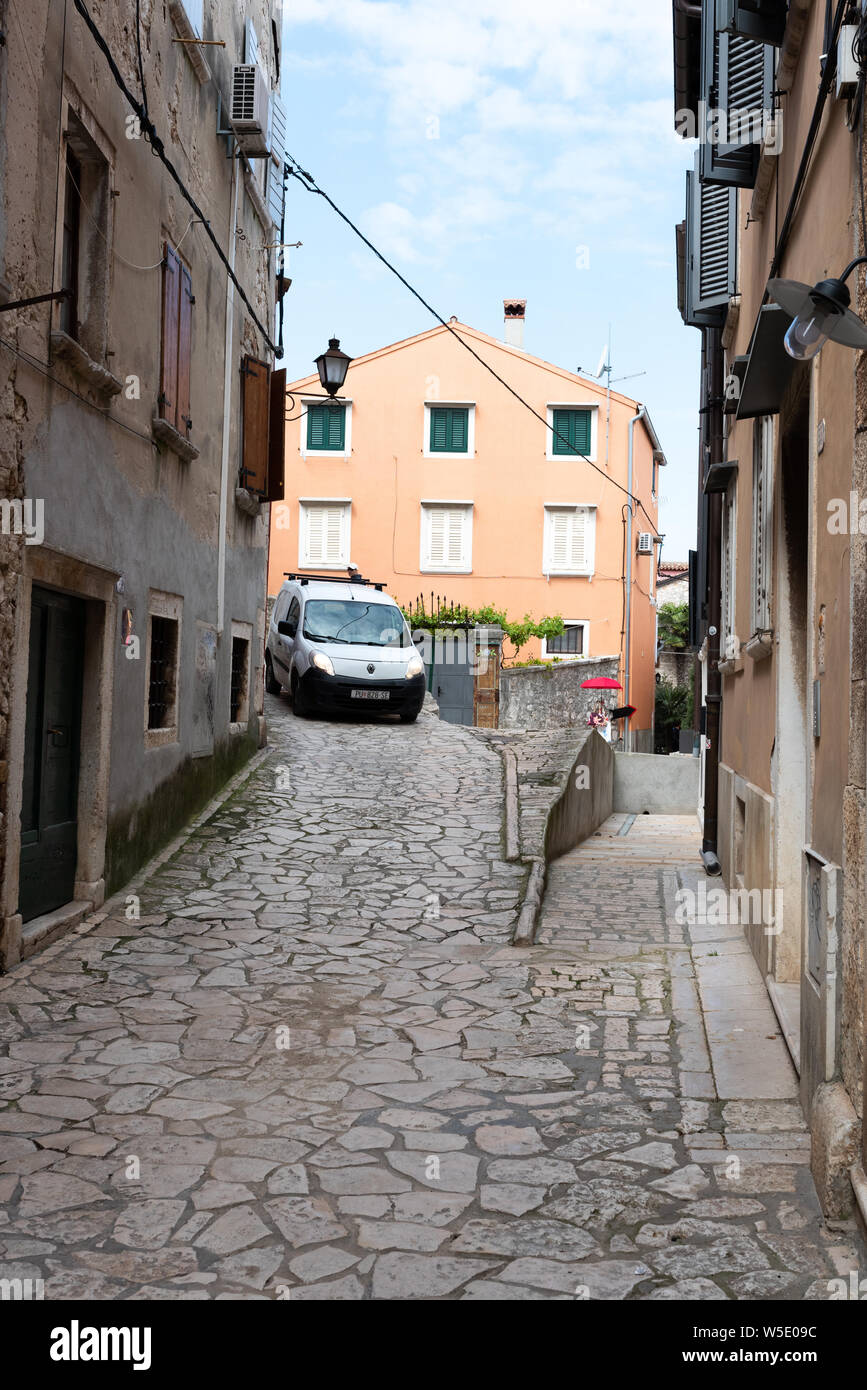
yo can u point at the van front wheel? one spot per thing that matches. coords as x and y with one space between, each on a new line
300 703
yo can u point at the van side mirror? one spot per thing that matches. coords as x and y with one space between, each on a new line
287 629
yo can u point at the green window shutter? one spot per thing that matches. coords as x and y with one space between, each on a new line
326 427
571 432
449 430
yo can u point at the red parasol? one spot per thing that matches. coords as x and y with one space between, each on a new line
601 683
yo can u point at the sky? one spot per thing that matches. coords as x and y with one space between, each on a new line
494 149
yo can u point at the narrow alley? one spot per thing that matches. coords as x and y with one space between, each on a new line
315 1067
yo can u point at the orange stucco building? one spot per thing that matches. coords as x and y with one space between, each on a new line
428 474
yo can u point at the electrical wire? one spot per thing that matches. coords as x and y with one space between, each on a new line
158 148
43 367
113 249
310 185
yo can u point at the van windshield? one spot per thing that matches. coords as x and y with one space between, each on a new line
364 624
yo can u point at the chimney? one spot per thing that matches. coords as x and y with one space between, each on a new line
514 310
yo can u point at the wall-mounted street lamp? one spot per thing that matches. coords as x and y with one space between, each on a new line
818 314
331 366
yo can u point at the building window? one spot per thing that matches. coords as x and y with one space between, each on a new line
84 240
239 685
176 343
729 645
162 665
571 432
447 537
449 429
569 546
324 533
571 643
326 429
763 511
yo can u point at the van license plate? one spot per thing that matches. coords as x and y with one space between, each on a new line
370 694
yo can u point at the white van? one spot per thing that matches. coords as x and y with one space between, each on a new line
342 644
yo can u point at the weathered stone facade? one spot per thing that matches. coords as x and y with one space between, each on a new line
145 523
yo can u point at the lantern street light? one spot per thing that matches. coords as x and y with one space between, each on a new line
332 366
818 314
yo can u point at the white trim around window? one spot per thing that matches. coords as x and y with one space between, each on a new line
593 407
569 539
324 532
343 453
446 537
470 408
570 656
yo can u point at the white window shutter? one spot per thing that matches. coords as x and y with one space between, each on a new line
275 190
578 548
447 532
437 542
325 534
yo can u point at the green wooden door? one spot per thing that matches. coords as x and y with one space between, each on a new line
49 811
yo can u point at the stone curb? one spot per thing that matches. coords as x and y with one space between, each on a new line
525 929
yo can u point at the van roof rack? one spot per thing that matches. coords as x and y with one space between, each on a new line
331 579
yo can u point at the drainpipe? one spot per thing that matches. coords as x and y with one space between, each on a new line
627 732
227 410
713 698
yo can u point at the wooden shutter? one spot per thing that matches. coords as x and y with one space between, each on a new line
168 398
439 427
571 432
277 436
184 421
447 531
449 430
256 411
567 539
737 78
710 274
276 190
324 526
326 427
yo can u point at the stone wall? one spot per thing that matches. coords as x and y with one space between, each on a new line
676 667
659 784
587 798
550 697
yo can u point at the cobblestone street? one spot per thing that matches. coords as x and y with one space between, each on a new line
316 1068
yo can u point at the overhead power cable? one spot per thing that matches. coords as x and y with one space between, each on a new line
308 182
158 148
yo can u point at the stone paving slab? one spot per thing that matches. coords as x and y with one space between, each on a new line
315 1068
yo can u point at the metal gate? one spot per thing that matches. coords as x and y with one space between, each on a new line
451 676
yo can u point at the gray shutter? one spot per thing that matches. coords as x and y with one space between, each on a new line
737 79
711 250
275 191
764 20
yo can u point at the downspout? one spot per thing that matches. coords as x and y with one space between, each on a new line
227 411
627 732
713 698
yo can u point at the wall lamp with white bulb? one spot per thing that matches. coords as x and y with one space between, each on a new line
819 314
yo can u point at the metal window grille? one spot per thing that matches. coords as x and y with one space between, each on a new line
569 643
162 673
239 678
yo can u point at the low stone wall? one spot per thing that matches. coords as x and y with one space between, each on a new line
550 697
587 799
655 783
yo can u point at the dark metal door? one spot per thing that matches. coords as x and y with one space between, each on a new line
49 810
452 683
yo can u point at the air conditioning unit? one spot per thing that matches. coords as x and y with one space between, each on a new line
645 542
249 109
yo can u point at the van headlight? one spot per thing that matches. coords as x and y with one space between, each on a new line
414 667
323 663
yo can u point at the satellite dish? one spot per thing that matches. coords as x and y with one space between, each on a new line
603 361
